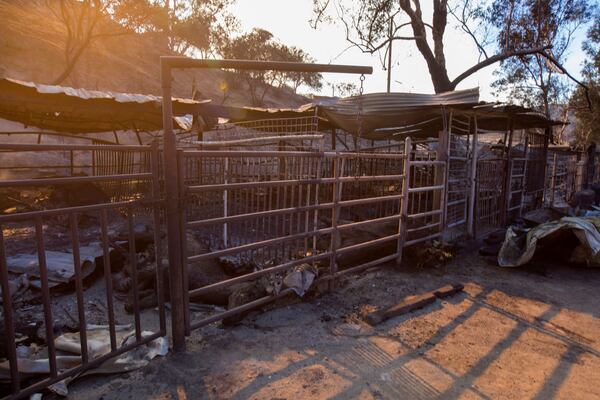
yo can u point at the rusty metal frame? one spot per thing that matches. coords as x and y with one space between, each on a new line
101 209
336 182
172 186
337 178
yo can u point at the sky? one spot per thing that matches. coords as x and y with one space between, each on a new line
288 21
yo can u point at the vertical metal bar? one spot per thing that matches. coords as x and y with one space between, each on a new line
72 162
446 175
134 274
172 212
108 280
524 177
9 327
554 167
48 322
403 209
94 152
508 181
317 200
79 288
156 208
473 187
335 234
183 218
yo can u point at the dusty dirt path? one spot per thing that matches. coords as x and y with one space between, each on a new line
512 334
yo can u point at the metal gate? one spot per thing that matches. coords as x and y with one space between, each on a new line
42 235
490 199
274 215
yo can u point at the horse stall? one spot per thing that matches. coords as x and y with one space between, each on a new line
107 228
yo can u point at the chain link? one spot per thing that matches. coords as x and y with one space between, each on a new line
362 80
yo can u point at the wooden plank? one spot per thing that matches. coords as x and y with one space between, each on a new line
413 303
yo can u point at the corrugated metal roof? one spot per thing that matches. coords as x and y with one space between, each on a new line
372 116
67 109
86 94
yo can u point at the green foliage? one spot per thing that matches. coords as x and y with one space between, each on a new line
201 25
588 120
260 45
533 80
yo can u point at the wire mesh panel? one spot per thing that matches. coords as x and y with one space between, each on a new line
243 185
427 182
261 215
563 177
458 181
516 181
108 162
70 240
293 134
490 195
596 169
536 169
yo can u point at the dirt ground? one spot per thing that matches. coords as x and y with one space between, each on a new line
512 334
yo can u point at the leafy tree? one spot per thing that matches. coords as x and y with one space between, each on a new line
297 79
84 23
343 89
367 25
260 45
190 25
588 118
536 80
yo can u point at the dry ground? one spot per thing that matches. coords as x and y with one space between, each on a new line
512 334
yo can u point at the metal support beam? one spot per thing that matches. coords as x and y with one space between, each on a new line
176 62
173 199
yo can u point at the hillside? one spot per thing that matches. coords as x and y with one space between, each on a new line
31 49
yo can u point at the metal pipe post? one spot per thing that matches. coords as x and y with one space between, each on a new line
403 220
172 213
473 191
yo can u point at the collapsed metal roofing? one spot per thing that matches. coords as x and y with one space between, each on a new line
393 115
372 116
66 109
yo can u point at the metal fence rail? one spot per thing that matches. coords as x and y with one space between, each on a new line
270 212
44 224
564 176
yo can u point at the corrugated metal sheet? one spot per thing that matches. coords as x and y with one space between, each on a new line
372 116
365 115
66 109
86 94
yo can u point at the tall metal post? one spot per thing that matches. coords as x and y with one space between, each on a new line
172 214
508 177
403 220
473 191
389 64
177 274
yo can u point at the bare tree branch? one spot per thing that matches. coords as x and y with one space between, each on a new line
558 65
494 59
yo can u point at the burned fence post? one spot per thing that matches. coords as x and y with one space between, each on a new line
473 181
335 213
156 215
9 325
403 220
173 213
181 173
508 174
